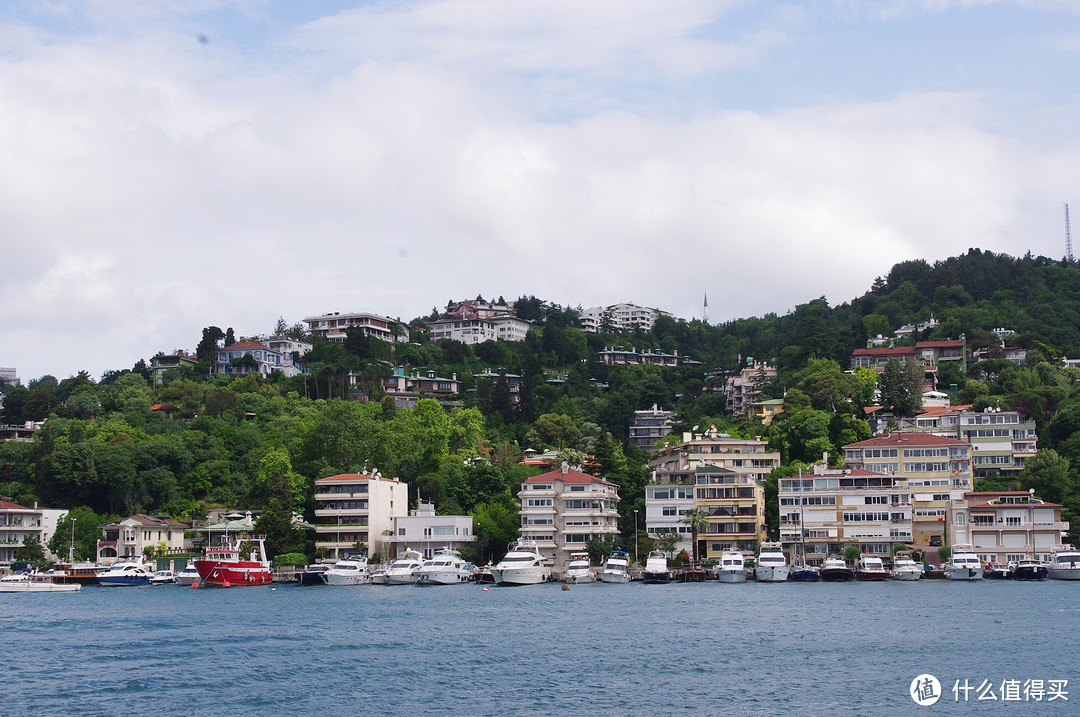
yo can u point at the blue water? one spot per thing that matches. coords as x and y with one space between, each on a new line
710 648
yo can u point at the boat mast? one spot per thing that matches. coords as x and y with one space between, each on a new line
802 531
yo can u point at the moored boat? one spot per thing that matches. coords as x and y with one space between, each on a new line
691 573
731 568
905 568
870 567
1029 569
124 575
835 570
617 568
964 564
188 575
314 574
77 573
163 577
402 571
1064 565
656 568
804 573
579 570
446 567
348 572
522 565
771 566
24 582
223 565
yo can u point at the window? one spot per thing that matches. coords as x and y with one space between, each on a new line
961 519
670 510
876 500
1012 520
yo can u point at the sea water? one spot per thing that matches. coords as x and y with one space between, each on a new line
706 648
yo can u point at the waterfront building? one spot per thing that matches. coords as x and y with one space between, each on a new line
129 537
937 470
1007 526
831 509
668 496
649 427
357 508
17 523
334 327
427 532
745 456
564 509
1001 441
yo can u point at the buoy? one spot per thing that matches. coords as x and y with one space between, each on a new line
487 590
226 584
195 584
565 586
273 589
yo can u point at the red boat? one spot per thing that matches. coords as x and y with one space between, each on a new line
223 567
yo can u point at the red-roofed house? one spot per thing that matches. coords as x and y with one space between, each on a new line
1006 526
936 469
563 509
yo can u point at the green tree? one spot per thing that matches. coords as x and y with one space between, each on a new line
31 550
698 520
87 533
1048 473
496 524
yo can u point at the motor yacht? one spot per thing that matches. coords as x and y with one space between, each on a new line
656 568
617 568
579 570
522 565
401 571
964 564
188 575
348 572
732 567
445 567
1064 565
771 564
163 577
904 568
870 567
1029 569
123 574
314 574
835 570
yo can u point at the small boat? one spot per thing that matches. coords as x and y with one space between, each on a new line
402 571
771 564
996 571
350 571
163 577
905 568
732 567
1029 569
579 570
314 574
223 566
964 565
188 575
804 573
522 565
617 568
446 567
78 573
1064 565
835 570
125 574
24 582
870 567
691 573
656 568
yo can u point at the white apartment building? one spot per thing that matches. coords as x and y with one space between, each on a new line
1007 526
357 507
562 510
668 496
427 532
287 345
333 327
833 508
263 360
17 523
1001 441
745 456
620 317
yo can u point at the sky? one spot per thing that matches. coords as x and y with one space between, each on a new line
173 165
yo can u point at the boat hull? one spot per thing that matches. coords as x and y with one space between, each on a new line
656 577
346 580
444 578
38 585
219 573
577 578
519 576
871 575
732 576
804 575
837 575
1063 573
1029 572
964 573
115 581
906 575
616 577
772 573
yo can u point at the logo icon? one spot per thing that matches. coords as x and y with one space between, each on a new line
925 690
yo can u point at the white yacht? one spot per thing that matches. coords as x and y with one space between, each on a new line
579 570
870 567
771 565
1064 565
350 571
617 568
656 568
163 577
444 568
732 567
401 571
126 573
964 564
904 568
522 565
188 575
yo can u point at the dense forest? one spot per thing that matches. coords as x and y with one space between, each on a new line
259 443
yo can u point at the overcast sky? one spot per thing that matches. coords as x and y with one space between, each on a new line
171 165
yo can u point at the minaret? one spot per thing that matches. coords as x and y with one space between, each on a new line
705 318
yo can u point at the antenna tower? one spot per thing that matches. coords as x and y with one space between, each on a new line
1068 236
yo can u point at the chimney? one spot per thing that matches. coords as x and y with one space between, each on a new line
565 467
